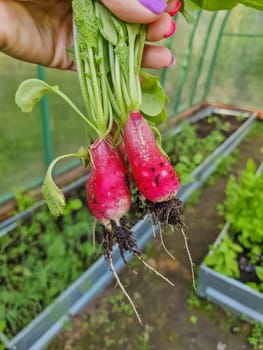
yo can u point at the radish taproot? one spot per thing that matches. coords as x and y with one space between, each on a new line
154 175
108 191
109 198
155 178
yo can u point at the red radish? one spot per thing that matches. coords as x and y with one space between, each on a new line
154 175
109 200
108 193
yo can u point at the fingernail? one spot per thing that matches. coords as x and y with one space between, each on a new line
176 9
171 63
156 6
171 30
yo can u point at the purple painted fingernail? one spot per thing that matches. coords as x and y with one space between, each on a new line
171 63
156 6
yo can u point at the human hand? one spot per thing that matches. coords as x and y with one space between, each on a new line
40 31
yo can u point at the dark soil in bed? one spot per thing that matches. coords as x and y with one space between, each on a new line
206 125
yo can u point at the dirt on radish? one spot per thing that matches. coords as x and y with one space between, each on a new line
165 213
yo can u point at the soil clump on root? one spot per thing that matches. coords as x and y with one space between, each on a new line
165 213
123 236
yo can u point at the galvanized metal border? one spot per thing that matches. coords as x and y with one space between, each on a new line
227 292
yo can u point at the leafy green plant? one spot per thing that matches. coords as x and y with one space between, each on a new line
223 259
2 328
242 248
193 301
259 273
187 149
243 207
193 319
109 318
256 337
23 199
40 259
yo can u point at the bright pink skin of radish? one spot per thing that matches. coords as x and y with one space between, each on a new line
154 175
108 193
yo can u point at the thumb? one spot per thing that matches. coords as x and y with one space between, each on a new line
136 11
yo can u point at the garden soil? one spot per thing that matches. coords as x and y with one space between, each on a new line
174 318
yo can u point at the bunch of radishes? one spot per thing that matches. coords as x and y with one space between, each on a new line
108 190
116 58
124 107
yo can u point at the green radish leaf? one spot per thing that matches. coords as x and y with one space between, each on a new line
122 52
153 95
30 92
86 22
187 11
214 5
53 195
51 192
106 25
121 48
256 4
157 119
120 28
133 29
84 155
71 53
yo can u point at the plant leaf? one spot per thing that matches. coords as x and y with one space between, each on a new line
2 325
106 25
86 22
153 95
259 272
84 155
53 195
51 192
157 119
215 5
256 4
30 92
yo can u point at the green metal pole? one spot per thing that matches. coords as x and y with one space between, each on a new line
186 62
164 70
214 57
41 73
244 35
201 60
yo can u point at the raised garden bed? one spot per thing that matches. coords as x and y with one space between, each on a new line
232 273
41 330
